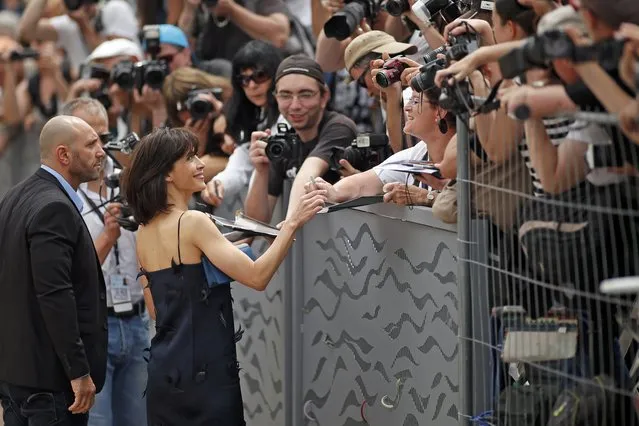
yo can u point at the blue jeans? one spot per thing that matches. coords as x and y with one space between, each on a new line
121 402
33 407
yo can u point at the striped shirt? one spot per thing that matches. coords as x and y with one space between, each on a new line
557 130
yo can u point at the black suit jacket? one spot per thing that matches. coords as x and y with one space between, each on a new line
53 318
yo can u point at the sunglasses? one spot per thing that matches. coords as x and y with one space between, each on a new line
259 77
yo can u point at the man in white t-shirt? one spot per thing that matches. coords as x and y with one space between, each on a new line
82 30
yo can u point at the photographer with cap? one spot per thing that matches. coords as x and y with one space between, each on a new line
128 109
302 96
121 401
84 27
358 57
222 27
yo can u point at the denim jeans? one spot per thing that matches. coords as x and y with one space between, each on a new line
121 402
33 407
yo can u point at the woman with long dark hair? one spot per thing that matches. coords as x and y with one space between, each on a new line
251 108
193 373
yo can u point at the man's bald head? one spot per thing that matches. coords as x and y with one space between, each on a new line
60 130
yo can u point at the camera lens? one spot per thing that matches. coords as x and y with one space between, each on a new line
355 157
200 108
343 23
396 7
277 150
154 74
382 78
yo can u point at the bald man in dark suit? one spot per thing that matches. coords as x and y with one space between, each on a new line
53 312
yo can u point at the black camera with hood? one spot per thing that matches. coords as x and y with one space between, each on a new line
198 106
365 152
343 23
154 71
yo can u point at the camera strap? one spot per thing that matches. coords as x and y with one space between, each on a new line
96 209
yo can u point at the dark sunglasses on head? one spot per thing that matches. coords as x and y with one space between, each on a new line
258 77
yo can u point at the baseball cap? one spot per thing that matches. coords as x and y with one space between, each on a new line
117 47
374 41
300 64
170 34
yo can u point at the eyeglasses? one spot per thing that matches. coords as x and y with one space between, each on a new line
304 97
259 77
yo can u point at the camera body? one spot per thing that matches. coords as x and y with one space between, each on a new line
99 72
365 152
123 74
199 107
540 50
151 73
390 72
456 99
126 145
461 46
285 146
425 80
343 23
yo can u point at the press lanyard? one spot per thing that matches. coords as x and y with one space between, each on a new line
97 211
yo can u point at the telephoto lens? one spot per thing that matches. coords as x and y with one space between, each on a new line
390 73
342 24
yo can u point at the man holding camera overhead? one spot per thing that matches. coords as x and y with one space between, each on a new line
82 29
121 401
301 95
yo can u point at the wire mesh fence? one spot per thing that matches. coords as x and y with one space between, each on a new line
545 217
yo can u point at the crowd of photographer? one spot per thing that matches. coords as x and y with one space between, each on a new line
351 99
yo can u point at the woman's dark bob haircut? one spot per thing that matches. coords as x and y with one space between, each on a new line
144 182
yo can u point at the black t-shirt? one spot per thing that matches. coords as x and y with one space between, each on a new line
218 40
334 130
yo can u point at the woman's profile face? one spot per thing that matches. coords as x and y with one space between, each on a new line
420 116
501 29
187 174
256 84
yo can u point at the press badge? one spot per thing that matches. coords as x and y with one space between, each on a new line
120 294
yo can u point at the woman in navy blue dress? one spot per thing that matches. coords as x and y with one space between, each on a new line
193 371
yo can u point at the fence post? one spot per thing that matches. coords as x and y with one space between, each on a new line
463 271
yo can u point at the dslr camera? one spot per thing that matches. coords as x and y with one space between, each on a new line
125 146
390 73
99 72
461 46
284 146
343 23
425 80
539 50
151 72
365 152
198 106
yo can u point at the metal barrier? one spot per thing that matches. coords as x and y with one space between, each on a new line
359 325
537 337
